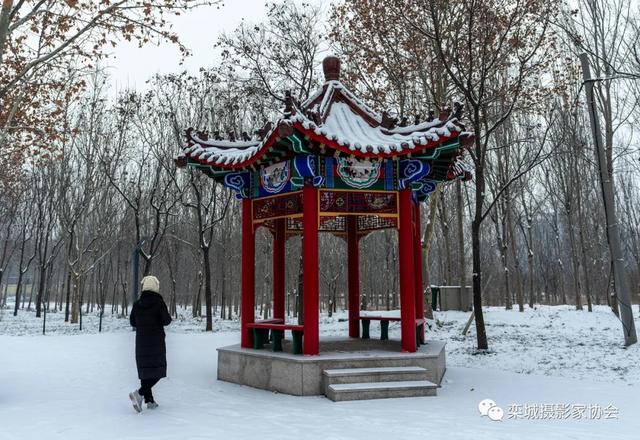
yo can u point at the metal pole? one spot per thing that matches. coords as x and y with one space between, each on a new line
613 233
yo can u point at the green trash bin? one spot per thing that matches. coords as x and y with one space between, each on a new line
435 291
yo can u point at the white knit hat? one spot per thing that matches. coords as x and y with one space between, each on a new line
151 284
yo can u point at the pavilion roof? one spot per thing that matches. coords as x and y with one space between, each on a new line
333 118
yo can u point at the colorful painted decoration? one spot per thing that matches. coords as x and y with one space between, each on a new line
275 177
358 202
380 202
412 171
424 189
307 167
239 182
358 173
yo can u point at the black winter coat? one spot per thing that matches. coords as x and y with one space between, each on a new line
149 315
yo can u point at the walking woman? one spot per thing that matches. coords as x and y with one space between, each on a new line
149 315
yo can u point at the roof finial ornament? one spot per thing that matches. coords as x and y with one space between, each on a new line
288 104
331 68
457 109
445 112
388 121
266 128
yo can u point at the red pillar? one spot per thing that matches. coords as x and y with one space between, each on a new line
406 238
417 261
353 274
279 241
311 339
248 274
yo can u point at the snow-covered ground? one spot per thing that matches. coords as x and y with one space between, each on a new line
74 386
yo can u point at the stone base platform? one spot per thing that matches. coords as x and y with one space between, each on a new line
303 375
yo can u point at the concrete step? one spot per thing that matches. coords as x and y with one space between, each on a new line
380 390
375 374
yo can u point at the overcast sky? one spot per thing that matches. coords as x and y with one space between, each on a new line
198 30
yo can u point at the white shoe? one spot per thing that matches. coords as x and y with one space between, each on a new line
136 400
152 405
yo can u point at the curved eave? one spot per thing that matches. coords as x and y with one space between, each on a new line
266 145
309 133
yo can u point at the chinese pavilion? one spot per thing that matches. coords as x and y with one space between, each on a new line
332 164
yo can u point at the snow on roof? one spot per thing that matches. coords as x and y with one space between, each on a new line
347 128
423 126
342 118
225 143
328 92
220 156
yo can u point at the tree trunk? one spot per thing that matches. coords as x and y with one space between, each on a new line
197 307
300 301
481 334
223 289
501 236
574 262
444 224
427 240
207 287
461 256
68 297
514 255
18 293
41 283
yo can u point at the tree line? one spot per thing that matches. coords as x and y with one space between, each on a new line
529 229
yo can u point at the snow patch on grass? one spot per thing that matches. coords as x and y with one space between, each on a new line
547 340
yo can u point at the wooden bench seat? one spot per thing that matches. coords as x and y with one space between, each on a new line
277 327
381 318
384 325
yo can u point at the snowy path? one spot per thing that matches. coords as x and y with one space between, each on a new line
75 387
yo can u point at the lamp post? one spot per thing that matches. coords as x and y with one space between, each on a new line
613 233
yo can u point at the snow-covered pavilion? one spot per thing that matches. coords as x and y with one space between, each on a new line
333 164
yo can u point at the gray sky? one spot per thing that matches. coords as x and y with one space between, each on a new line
198 30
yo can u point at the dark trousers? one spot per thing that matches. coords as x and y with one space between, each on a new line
145 388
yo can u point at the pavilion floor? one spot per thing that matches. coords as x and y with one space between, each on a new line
299 375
